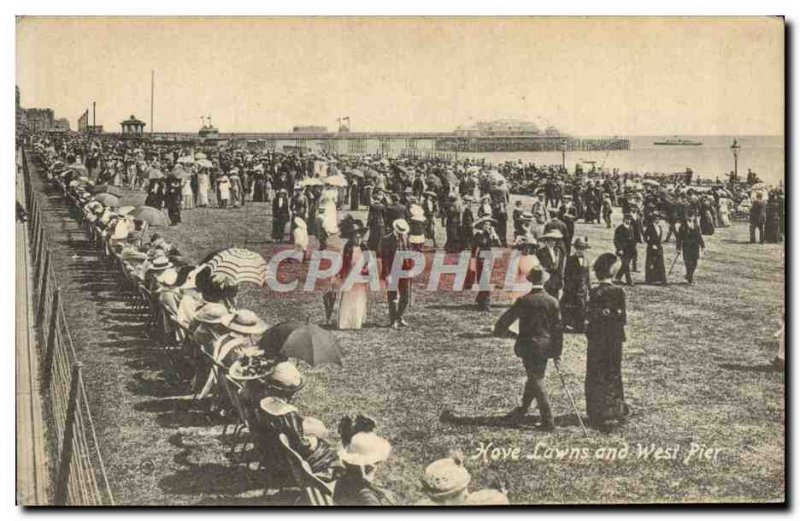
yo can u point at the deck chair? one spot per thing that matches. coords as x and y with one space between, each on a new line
315 492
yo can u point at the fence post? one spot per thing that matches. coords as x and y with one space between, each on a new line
65 460
50 345
42 285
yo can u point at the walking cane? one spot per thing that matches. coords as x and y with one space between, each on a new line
571 400
673 263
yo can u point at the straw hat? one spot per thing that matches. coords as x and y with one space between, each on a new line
487 496
286 377
276 407
365 448
445 477
527 216
247 322
483 220
213 313
168 277
161 263
400 226
314 427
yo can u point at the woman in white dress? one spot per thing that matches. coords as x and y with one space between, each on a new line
187 193
724 212
203 185
224 187
353 306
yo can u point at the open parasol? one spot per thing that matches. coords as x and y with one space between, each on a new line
307 342
154 173
241 265
125 210
356 173
200 155
336 180
107 199
186 160
204 163
152 216
650 182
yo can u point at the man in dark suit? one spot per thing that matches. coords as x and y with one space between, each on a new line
552 257
758 218
625 245
540 338
690 241
394 210
399 295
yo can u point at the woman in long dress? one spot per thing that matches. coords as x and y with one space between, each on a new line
576 287
203 186
605 333
187 192
724 212
706 217
280 215
654 271
353 306
772 227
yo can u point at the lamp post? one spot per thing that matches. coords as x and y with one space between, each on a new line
564 153
735 149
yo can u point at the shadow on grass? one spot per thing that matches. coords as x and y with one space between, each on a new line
761 368
212 478
528 422
465 307
477 335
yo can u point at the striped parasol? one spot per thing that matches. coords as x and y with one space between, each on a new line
240 264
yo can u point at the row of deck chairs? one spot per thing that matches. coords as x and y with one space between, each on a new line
181 352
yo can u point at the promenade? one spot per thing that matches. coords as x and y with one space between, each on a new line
32 482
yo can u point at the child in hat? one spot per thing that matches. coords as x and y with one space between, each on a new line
361 458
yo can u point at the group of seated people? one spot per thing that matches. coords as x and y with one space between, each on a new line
233 364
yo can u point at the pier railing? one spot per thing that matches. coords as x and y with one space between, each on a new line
77 467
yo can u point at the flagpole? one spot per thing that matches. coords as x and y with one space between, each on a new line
152 90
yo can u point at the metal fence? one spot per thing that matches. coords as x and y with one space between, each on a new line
79 474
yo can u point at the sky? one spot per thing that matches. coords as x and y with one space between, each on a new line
586 76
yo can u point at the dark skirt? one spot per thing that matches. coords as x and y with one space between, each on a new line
706 223
605 398
573 308
654 271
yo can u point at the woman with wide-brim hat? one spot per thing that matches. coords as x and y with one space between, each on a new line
483 239
267 403
605 334
354 295
361 458
445 483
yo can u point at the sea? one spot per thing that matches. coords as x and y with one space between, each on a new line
764 155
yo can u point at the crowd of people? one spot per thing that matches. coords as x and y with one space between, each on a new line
406 202
192 306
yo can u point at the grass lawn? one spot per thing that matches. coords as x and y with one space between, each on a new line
695 372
